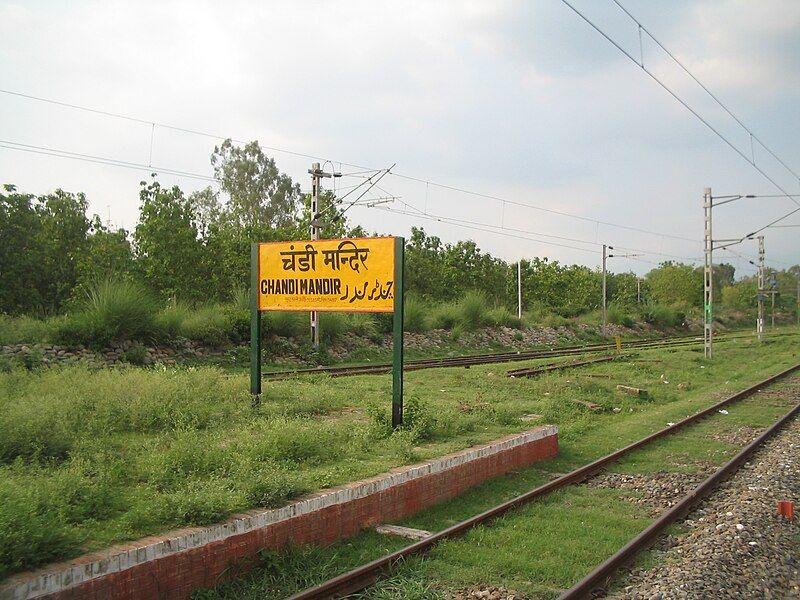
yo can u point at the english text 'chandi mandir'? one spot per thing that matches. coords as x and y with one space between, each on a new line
327 287
282 287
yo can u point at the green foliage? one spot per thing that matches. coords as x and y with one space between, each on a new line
363 324
285 324
661 315
415 314
27 330
332 326
472 311
111 310
445 316
502 316
740 295
209 325
135 355
617 316
674 283
170 252
31 532
40 241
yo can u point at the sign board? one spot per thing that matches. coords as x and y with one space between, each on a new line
351 275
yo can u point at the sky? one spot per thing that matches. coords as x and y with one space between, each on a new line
562 142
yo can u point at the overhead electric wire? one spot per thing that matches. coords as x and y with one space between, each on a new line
100 160
502 230
705 88
362 168
690 109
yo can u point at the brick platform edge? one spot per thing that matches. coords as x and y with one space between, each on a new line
173 565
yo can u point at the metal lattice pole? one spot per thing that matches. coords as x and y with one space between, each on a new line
315 180
761 289
708 278
604 288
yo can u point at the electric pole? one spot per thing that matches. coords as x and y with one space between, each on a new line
761 290
638 291
708 278
604 287
773 284
316 174
519 288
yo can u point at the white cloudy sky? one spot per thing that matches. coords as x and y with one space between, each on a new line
519 100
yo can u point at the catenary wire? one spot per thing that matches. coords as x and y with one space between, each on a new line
362 169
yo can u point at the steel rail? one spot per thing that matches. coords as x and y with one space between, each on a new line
480 359
366 575
602 573
540 370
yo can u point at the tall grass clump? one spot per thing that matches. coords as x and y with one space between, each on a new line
208 325
473 309
332 326
363 324
661 315
617 316
285 324
26 330
171 319
444 316
415 314
111 310
501 316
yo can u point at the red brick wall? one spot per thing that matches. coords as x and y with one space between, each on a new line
177 574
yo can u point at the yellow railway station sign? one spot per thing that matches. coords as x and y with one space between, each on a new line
350 275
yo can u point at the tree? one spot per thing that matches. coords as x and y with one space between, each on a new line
108 255
40 240
260 195
169 250
21 266
64 231
676 283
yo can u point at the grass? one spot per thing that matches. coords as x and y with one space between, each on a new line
549 545
92 458
111 310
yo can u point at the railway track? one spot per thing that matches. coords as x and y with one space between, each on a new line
365 576
484 359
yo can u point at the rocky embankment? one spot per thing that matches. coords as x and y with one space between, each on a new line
290 350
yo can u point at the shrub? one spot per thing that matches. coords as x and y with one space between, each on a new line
618 317
332 326
501 316
136 355
415 314
286 324
444 316
208 325
660 315
26 330
473 309
418 417
363 324
111 310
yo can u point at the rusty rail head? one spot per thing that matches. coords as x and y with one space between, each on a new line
366 575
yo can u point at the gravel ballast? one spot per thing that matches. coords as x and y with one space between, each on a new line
735 545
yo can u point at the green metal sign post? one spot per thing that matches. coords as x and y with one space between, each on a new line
397 341
255 328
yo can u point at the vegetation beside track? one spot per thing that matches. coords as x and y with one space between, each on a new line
548 545
94 457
